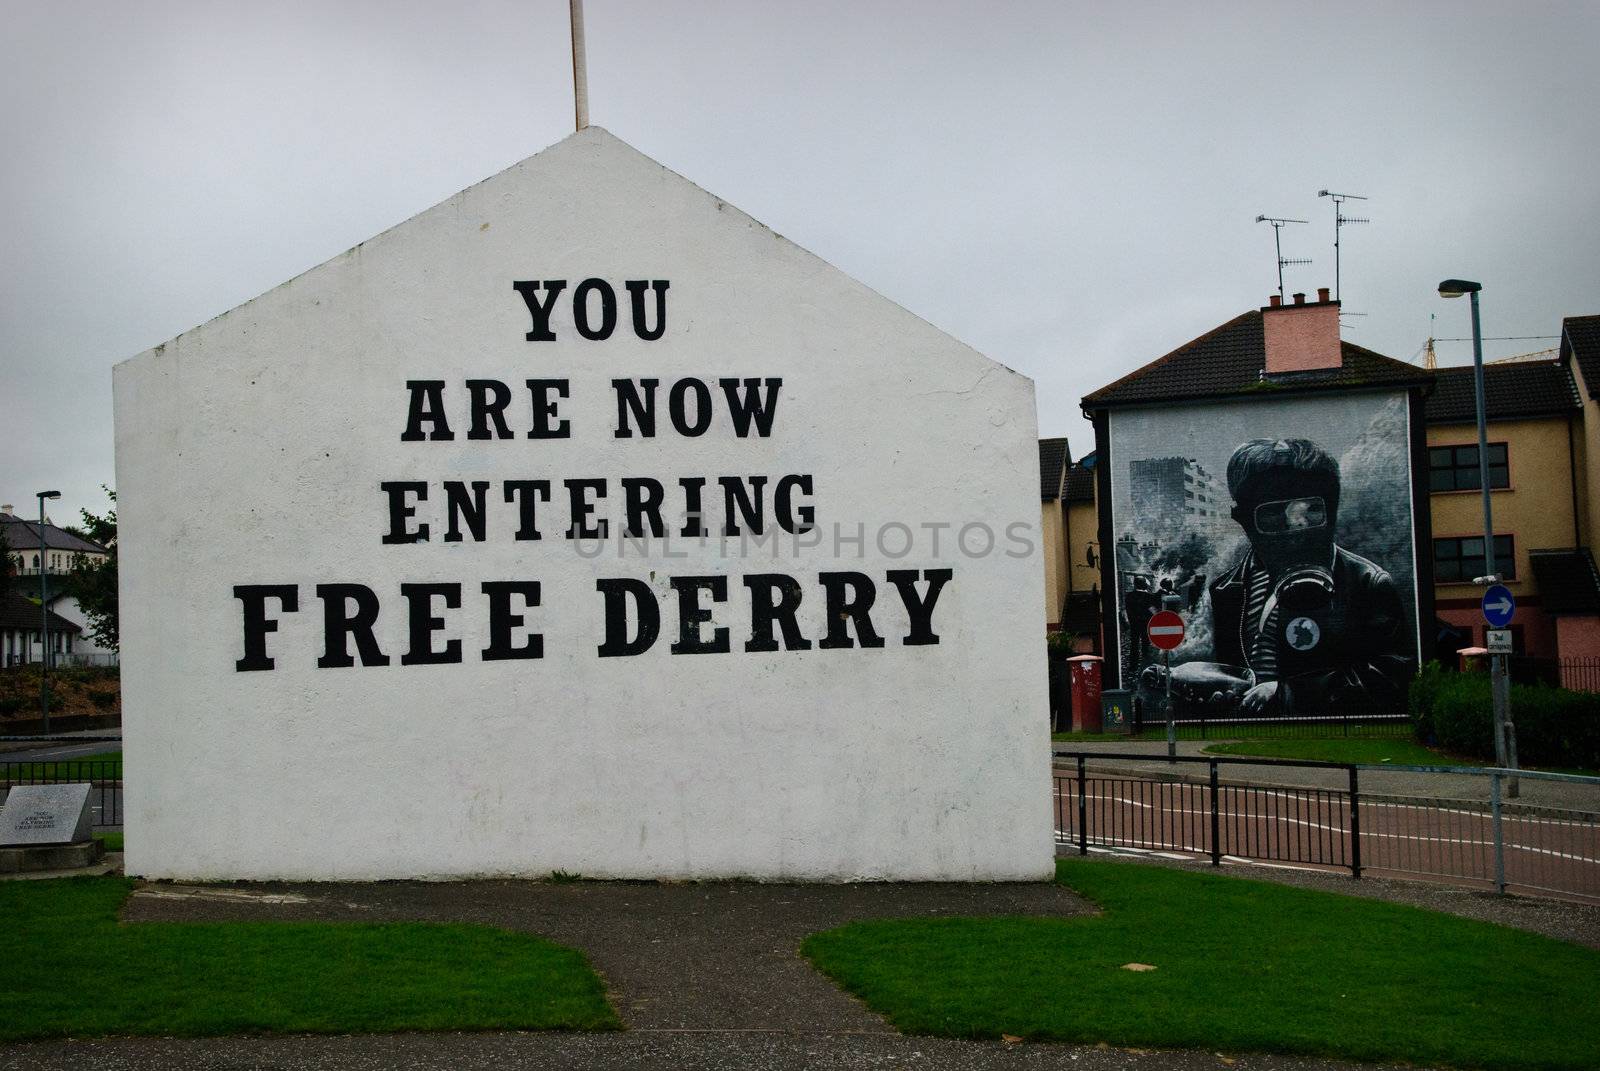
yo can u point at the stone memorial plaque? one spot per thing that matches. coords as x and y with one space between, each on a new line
45 814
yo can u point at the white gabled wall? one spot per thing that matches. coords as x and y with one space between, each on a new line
250 451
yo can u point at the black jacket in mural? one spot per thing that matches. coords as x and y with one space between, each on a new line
1356 663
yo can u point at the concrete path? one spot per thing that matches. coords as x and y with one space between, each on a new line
635 1050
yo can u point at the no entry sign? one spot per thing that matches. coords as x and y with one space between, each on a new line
1165 630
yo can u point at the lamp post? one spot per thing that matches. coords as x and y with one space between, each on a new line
44 618
1505 747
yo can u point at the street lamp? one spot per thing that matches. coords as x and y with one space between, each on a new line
44 618
1505 748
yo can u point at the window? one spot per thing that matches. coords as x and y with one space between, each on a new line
1457 561
1455 468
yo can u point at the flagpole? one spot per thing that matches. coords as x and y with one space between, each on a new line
580 67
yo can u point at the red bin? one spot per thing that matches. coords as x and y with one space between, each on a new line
1085 671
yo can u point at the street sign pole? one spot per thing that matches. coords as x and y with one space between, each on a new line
1172 724
1498 607
1165 632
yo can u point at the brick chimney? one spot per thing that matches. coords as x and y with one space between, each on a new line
1302 337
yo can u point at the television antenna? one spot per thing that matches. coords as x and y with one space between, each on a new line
1339 220
1277 244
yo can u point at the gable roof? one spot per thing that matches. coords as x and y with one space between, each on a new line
1580 343
1227 361
1517 389
1080 484
19 612
1053 459
23 535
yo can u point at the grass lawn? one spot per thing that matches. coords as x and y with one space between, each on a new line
1354 749
112 838
71 969
65 769
1241 966
1340 749
1267 731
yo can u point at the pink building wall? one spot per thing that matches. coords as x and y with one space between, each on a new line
1579 637
1541 633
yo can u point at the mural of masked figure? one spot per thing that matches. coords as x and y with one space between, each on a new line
1320 627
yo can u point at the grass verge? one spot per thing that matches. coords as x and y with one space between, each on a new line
1339 749
73 970
68 769
1240 965
1223 732
1353 749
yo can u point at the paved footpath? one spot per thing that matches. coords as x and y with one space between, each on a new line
706 976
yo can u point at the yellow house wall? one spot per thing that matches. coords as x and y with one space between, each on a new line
1054 552
1083 528
1536 510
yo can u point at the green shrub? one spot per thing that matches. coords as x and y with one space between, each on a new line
104 698
1421 698
1555 727
9 706
1460 714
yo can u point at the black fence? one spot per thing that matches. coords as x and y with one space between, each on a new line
1319 815
104 777
1315 826
1576 674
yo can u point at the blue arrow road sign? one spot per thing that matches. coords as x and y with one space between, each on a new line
1498 606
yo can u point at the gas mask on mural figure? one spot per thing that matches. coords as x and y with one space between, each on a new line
1288 506
1293 540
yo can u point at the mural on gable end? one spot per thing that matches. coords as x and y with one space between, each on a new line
1283 533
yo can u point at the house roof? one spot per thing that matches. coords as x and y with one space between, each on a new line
1580 343
1517 389
1053 459
19 612
1568 580
23 535
1080 484
1227 361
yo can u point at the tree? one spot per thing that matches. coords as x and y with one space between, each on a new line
93 582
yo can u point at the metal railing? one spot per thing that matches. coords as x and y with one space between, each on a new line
1493 843
104 777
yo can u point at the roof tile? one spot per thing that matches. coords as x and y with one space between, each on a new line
1517 389
1053 458
1228 361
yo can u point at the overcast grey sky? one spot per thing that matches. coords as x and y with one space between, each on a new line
1069 187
